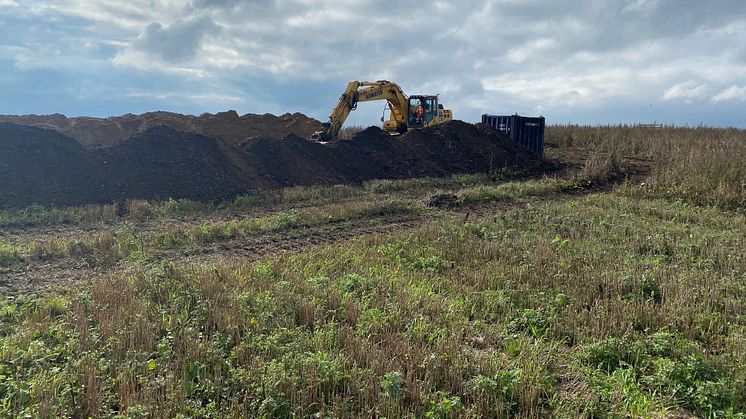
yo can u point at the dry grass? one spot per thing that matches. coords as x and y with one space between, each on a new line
346 133
38 215
701 165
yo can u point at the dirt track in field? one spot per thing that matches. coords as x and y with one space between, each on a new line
42 276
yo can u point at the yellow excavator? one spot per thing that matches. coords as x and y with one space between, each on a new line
407 112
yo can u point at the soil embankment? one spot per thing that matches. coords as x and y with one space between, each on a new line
216 162
455 147
227 126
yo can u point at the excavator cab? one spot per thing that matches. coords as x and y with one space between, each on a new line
422 110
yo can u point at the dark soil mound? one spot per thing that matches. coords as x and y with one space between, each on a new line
39 166
454 147
227 126
164 163
45 167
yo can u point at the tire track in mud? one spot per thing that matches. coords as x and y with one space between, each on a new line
303 239
62 274
18 233
44 276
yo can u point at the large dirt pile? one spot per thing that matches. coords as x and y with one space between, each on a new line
44 167
227 126
39 166
454 147
162 163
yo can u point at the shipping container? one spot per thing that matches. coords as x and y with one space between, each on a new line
525 130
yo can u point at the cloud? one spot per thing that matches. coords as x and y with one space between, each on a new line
640 6
210 98
178 42
739 57
688 91
524 52
731 94
206 4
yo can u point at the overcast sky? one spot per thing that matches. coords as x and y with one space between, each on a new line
592 61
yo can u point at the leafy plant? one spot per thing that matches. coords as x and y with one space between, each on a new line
443 405
392 384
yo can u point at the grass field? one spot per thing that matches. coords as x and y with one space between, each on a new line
612 288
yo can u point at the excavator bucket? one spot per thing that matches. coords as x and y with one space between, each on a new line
323 135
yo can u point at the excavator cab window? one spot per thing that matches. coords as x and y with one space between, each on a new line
431 109
422 110
414 106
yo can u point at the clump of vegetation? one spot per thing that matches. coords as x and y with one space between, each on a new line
512 191
602 168
38 215
9 254
656 371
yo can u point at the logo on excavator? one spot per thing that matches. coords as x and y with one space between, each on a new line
374 94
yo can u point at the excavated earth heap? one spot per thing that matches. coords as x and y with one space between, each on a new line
454 147
227 126
39 165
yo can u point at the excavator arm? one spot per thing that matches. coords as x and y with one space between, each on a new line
363 92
